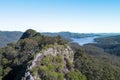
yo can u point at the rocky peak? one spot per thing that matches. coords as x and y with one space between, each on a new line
29 33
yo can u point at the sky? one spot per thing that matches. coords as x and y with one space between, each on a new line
83 16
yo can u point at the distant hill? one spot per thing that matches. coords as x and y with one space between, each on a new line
71 34
110 44
9 36
13 36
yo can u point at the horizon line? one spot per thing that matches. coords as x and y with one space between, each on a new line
60 31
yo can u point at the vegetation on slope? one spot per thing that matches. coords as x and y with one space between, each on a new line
99 54
94 69
109 44
15 59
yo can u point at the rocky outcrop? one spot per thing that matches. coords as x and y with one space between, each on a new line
53 50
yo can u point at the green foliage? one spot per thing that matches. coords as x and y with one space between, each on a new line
69 64
109 44
109 40
51 68
93 69
58 63
101 55
46 74
34 71
7 70
5 61
53 63
1 71
75 75
28 45
0 77
10 52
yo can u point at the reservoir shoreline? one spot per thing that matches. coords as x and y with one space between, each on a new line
83 41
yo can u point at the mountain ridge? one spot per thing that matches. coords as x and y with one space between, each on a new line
7 37
40 57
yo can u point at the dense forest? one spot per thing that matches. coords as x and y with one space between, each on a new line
41 57
109 44
106 49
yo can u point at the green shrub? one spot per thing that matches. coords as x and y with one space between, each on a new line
46 74
75 75
1 71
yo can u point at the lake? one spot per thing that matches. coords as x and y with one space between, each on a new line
86 40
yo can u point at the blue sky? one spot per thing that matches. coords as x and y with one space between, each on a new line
83 16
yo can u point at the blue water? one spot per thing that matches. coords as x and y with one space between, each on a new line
82 41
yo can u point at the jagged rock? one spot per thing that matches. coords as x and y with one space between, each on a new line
66 53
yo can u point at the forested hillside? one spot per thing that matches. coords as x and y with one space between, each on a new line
38 57
7 37
106 49
71 34
109 44
94 64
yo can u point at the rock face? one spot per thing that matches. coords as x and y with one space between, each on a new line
54 50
